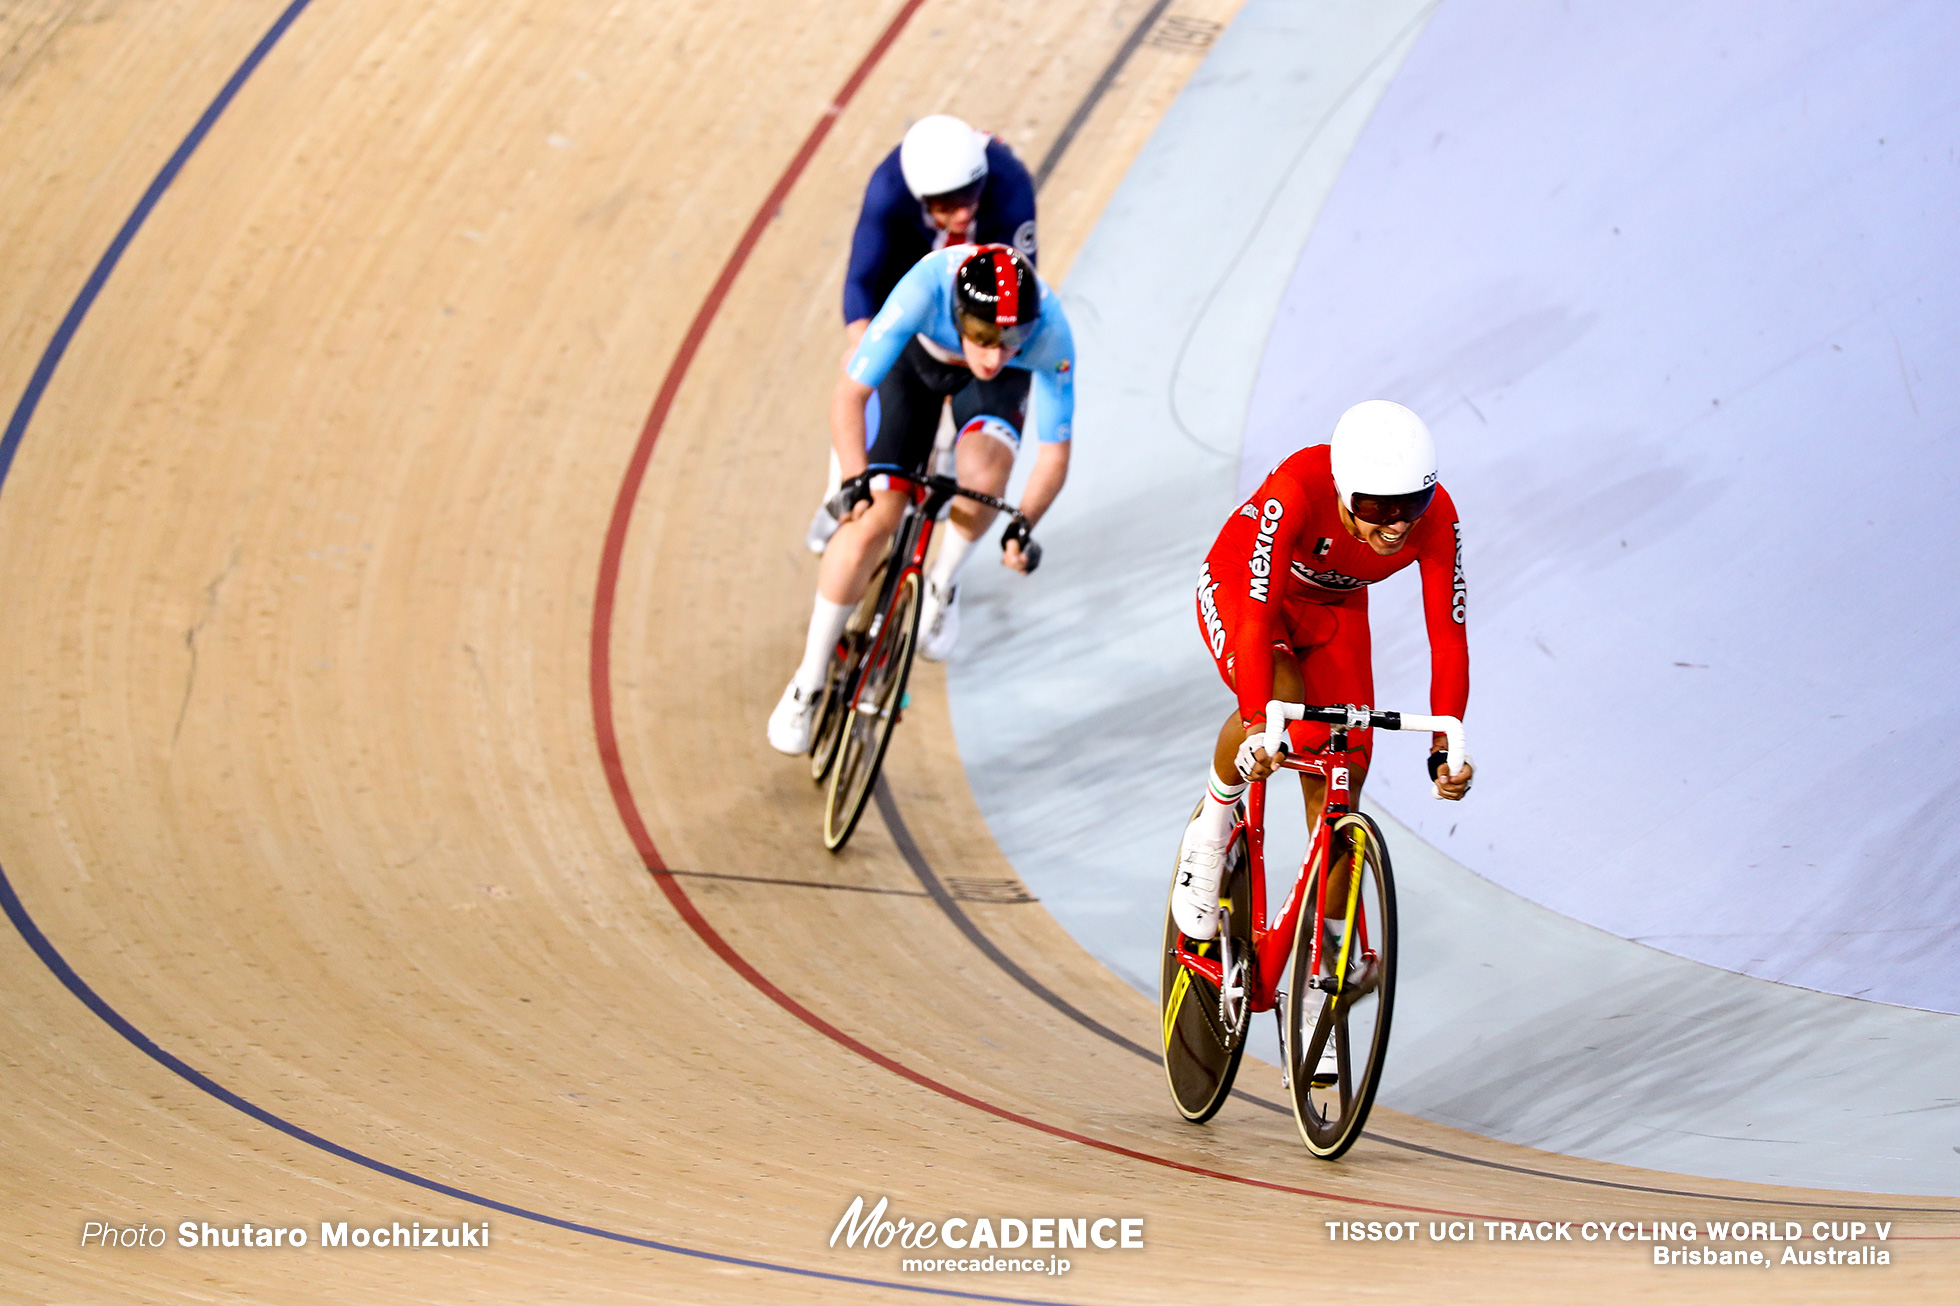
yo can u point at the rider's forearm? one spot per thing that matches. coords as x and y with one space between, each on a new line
855 331
1046 479
847 425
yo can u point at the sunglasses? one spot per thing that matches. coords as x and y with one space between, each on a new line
987 335
1388 509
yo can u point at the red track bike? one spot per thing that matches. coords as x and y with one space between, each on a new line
864 697
1341 991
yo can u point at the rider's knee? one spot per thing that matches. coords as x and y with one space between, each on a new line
868 533
887 508
987 445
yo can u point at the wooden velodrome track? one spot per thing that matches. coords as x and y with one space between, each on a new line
388 831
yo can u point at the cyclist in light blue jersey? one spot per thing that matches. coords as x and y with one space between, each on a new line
945 184
926 303
975 324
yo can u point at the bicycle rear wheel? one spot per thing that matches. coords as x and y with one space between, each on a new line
1204 1038
843 669
868 718
1354 1012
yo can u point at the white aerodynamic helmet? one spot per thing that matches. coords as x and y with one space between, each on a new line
940 155
1384 462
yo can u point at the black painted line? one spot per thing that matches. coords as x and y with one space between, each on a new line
1080 118
57 965
916 859
798 884
888 807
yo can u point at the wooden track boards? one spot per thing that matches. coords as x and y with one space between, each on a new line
299 759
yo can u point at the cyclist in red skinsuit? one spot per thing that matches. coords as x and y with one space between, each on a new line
1315 597
1282 605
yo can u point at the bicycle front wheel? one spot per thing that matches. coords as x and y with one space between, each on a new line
870 714
1204 1030
1348 1011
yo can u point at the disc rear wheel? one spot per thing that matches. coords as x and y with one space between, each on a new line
1204 1029
869 714
1347 1009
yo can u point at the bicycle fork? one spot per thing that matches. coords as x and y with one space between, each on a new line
1333 982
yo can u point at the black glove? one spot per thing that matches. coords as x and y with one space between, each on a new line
849 494
1439 762
1017 533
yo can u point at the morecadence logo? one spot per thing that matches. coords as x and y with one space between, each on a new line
876 1228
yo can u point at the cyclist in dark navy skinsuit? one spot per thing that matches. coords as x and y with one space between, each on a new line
897 225
944 184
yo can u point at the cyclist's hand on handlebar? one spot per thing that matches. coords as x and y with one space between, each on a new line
1450 785
1017 551
1253 763
852 500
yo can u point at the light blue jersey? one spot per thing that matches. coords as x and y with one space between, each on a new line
922 304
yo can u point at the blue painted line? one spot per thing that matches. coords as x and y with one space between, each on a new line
51 358
57 964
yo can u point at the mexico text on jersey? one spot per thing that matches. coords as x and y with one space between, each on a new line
1285 571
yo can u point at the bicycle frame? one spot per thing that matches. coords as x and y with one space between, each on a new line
1262 977
1267 965
912 541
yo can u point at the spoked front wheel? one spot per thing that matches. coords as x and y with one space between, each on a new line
869 714
1204 1026
1346 1009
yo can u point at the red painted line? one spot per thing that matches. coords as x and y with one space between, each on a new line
601 686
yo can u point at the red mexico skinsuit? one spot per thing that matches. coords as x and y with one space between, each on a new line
1284 573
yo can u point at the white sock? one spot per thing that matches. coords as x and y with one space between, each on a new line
1215 818
826 624
954 548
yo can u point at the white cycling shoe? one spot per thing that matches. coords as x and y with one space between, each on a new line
795 715
1194 895
939 623
822 527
